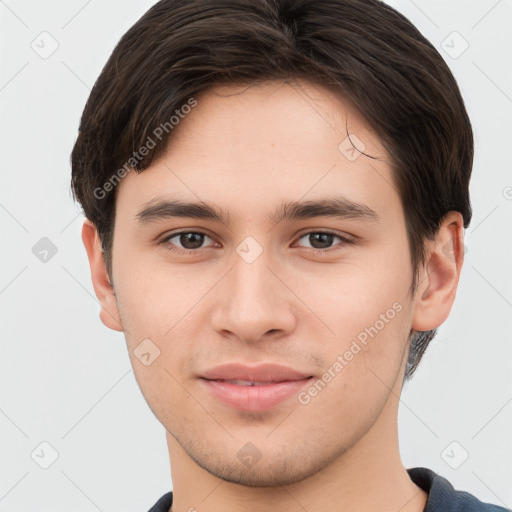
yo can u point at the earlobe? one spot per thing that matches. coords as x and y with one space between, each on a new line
109 313
439 278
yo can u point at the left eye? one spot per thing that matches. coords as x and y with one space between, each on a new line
322 239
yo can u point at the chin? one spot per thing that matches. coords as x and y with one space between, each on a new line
280 472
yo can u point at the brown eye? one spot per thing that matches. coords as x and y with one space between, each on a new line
191 240
322 240
185 241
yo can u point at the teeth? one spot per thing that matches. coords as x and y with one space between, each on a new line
247 382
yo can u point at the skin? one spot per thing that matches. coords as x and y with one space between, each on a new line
246 150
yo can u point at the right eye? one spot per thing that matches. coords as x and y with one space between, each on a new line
191 241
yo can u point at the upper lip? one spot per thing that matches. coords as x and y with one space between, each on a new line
268 372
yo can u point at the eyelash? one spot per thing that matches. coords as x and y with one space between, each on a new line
170 247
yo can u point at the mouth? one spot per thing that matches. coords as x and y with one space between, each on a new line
240 382
252 388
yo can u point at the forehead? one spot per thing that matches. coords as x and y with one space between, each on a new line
274 113
244 145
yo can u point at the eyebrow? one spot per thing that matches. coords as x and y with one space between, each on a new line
336 207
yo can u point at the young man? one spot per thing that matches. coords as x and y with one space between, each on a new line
276 193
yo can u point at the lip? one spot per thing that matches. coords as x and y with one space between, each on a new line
267 372
278 383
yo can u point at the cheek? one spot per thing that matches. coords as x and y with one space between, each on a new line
365 319
158 342
362 365
154 300
158 309
356 296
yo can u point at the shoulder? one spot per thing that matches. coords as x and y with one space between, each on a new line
163 504
442 497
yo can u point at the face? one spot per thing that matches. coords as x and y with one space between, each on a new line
321 290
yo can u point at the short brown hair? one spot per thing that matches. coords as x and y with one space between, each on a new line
365 49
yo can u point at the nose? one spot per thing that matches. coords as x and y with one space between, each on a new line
253 302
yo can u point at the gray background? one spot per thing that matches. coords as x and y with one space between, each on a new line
66 379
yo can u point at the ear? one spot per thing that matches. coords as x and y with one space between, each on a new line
109 313
439 278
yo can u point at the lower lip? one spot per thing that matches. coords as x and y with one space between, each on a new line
254 398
